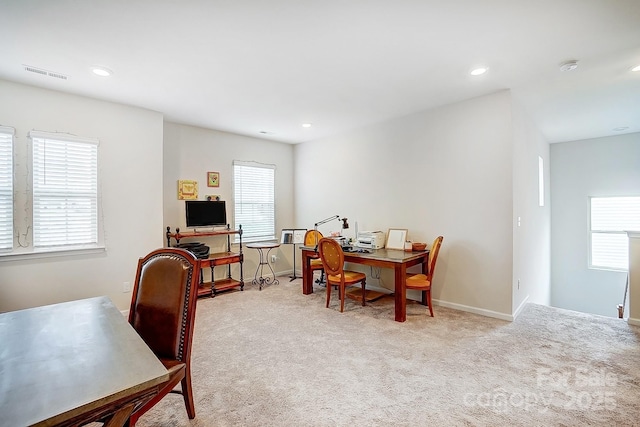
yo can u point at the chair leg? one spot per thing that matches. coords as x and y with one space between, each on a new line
364 299
187 393
429 301
342 292
328 294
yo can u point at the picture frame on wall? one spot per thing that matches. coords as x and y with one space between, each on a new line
213 179
187 189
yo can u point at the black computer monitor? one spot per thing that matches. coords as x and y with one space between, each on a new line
200 213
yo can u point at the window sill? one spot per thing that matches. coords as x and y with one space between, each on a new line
51 253
601 268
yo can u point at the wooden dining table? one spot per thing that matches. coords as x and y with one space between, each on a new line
396 259
73 363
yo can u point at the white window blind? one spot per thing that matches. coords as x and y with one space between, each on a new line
611 217
6 188
65 190
254 200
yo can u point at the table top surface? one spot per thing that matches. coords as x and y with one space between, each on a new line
263 245
66 359
389 255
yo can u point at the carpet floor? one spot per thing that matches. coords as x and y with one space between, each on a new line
277 357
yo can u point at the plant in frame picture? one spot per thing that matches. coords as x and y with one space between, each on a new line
213 179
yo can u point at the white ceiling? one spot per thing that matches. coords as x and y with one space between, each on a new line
247 66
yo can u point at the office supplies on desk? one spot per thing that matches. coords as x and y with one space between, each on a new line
370 239
345 224
356 250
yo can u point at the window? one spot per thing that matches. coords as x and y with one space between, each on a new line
65 190
6 188
610 218
254 200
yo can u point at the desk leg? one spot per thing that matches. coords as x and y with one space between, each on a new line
307 274
400 292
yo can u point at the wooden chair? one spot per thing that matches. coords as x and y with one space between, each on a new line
422 282
332 258
312 239
163 308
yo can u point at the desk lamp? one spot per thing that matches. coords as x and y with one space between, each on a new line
345 225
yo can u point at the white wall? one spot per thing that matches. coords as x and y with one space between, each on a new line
446 171
130 173
632 309
597 167
532 222
190 152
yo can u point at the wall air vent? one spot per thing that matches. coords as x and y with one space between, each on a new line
36 70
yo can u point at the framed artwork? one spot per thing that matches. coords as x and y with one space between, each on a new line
213 179
187 189
396 238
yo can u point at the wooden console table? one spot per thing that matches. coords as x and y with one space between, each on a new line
215 259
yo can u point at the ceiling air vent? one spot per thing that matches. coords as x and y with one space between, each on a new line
44 72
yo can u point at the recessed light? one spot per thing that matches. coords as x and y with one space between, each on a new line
101 71
478 71
620 129
569 65
306 125
636 68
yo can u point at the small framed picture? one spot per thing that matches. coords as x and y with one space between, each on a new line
213 179
396 238
187 189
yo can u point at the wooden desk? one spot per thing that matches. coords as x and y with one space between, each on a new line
73 363
387 258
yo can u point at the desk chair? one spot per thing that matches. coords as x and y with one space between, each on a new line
422 282
312 239
332 258
163 308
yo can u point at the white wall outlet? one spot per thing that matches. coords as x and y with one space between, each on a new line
274 258
126 287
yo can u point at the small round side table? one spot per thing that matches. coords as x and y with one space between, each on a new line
261 280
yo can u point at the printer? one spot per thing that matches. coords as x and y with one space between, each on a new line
370 239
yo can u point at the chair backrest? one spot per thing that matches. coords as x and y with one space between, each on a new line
332 256
163 304
433 255
312 237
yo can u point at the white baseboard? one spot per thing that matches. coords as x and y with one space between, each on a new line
475 310
287 273
634 322
520 307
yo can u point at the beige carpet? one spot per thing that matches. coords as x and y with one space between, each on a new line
279 358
